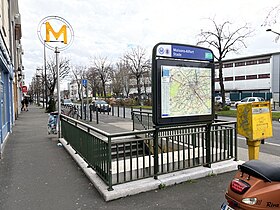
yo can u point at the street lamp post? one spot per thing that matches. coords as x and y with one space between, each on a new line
58 92
40 75
45 69
38 89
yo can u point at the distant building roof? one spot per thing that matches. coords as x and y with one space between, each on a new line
251 57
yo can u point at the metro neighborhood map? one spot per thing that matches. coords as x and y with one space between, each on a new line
186 91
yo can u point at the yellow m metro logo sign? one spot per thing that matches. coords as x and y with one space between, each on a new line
55 33
63 30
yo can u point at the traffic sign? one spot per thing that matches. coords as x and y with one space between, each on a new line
84 82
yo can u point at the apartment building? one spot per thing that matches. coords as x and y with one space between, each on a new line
253 74
11 76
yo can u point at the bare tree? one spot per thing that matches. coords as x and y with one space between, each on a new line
120 79
223 39
138 64
103 67
94 81
117 79
79 73
272 19
64 68
272 16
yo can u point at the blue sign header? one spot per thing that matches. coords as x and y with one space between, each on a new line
184 52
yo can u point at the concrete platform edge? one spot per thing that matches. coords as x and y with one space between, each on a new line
148 184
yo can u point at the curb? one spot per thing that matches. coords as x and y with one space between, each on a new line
148 184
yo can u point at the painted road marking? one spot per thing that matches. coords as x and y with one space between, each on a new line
269 143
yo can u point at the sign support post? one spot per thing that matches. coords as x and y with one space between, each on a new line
58 91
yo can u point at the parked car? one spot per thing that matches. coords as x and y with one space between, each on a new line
248 100
67 102
101 106
218 99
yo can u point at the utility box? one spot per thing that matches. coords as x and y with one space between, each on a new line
254 120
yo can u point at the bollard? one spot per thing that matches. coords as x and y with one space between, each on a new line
96 111
81 116
85 113
90 113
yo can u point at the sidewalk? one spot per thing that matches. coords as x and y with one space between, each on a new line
37 173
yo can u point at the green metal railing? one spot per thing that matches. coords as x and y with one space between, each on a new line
128 156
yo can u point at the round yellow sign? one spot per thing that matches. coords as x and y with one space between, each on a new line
55 32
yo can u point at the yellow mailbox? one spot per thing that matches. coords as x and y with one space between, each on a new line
254 121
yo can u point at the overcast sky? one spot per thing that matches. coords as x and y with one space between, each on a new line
111 27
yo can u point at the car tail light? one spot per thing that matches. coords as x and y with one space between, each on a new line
239 186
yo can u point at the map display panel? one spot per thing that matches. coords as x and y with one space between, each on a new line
186 91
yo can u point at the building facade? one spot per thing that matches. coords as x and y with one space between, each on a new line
255 74
11 75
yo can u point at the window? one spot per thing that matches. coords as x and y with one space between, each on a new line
228 65
253 62
263 76
252 76
266 60
240 64
240 78
228 78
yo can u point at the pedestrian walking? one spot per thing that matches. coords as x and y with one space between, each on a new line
22 104
26 102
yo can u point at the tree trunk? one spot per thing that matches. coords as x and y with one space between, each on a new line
104 90
221 82
138 90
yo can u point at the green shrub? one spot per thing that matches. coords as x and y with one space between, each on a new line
225 108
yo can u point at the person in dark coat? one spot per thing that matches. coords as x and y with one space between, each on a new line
22 104
26 102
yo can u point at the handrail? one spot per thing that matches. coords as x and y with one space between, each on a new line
104 133
86 125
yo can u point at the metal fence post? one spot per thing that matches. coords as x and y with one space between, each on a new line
208 145
156 166
132 117
123 111
113 107
235 142
110 188
96 111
